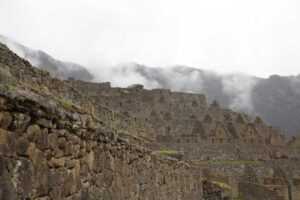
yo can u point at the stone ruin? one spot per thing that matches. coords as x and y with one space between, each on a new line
76 140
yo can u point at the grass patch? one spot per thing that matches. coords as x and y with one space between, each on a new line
228 162
66 103
12 87
8 87
169 153
222 185
166 152
39 88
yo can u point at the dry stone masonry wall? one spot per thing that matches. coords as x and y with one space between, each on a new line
186 123
49 153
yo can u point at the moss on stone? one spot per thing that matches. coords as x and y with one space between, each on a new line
8 87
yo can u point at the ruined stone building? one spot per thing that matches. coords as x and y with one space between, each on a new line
77 140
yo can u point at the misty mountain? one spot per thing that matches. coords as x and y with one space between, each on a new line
42 60
276 99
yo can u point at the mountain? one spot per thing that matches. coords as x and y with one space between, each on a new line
42 60
275 99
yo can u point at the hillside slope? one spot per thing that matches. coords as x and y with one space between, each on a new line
42 60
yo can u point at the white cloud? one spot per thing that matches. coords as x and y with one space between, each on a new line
239 87
259 37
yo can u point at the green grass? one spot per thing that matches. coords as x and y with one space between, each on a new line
38 89
228 162
222 185
167 152
67 104
11 87
8 87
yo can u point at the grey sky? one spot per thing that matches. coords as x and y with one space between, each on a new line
259 37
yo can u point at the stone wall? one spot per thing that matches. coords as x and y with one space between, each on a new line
272 180
160 116
47 152
185 122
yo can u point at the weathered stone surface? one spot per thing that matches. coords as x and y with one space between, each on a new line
57 162
3 137
5 120
3 103
97 168
20 122
7 189
61 143
22 146
33 131
5 75
45 123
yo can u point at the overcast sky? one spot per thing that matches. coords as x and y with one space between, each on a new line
259 37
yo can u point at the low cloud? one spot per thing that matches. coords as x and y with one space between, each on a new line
239 88
232 90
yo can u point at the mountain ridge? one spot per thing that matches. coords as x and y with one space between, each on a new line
275 98
42 60
243 93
